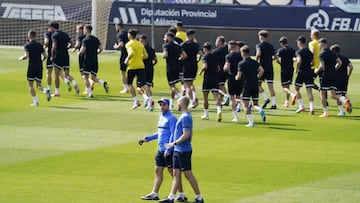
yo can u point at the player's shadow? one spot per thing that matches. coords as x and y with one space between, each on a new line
106 98
69 107
287 129
357 118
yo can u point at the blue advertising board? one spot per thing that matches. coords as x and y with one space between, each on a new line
270 17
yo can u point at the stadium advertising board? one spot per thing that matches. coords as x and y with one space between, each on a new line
45 10
276 17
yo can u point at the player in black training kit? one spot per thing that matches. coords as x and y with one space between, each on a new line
220 52
122 39
285 57
235 87
250 71
33 51
211 70
343 75
304 60
79 38
60 57
329 62
190 65
90 49
173 52
149 71
264 53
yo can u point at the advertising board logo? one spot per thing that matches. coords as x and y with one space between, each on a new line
127 15
33 12
322 21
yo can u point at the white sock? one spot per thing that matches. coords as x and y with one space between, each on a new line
311 106
150 100
182 194
89 90
144 96
326 110
273 100
258 108
341 108
236 114
126 86
171 102
286 101
66 80
292 95
250 119
101 81
35 99
74 82
301 104
218 109
49 87
206 112
171 196
221 92
57 90
194 95
264 95
198 197
342 99
136 100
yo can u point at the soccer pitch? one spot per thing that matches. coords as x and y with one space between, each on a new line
73 149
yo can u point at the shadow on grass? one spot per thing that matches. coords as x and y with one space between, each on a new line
287 129
69 107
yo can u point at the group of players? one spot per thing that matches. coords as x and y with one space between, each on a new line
57 43
228 62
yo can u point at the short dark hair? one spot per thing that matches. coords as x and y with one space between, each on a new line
179 24
120 24
335 48
240 43
133 32
172 29
301 39
263 33
32 33
245 49
88 27
143 36
232 42
190 32
323 40
207 45
283 40
221 39
54 24
170 34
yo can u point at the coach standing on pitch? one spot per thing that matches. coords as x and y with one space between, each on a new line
181 141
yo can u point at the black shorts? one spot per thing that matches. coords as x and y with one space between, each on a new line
123 66
222 77
306 78
341 85
161 160
140 75
91 66
34 73
235 87
286 77
81 63
173 73
268 76
149 76
328 82
210 84
251 92
190 72
182 160
49 64
61 61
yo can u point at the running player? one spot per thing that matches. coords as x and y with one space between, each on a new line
122 37
315 50
265 53
149 70
136 68
250 70
304 59
220 52
49 64
210 69
172 52
190 63
284 57
33 51
60 57
329 62
79 38
343 75
90 48
235 87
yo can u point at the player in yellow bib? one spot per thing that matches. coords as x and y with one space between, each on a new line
315 50
180 32
136 67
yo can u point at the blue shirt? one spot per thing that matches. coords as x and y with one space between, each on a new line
183 123
166 128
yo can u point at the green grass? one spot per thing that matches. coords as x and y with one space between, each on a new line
77 150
